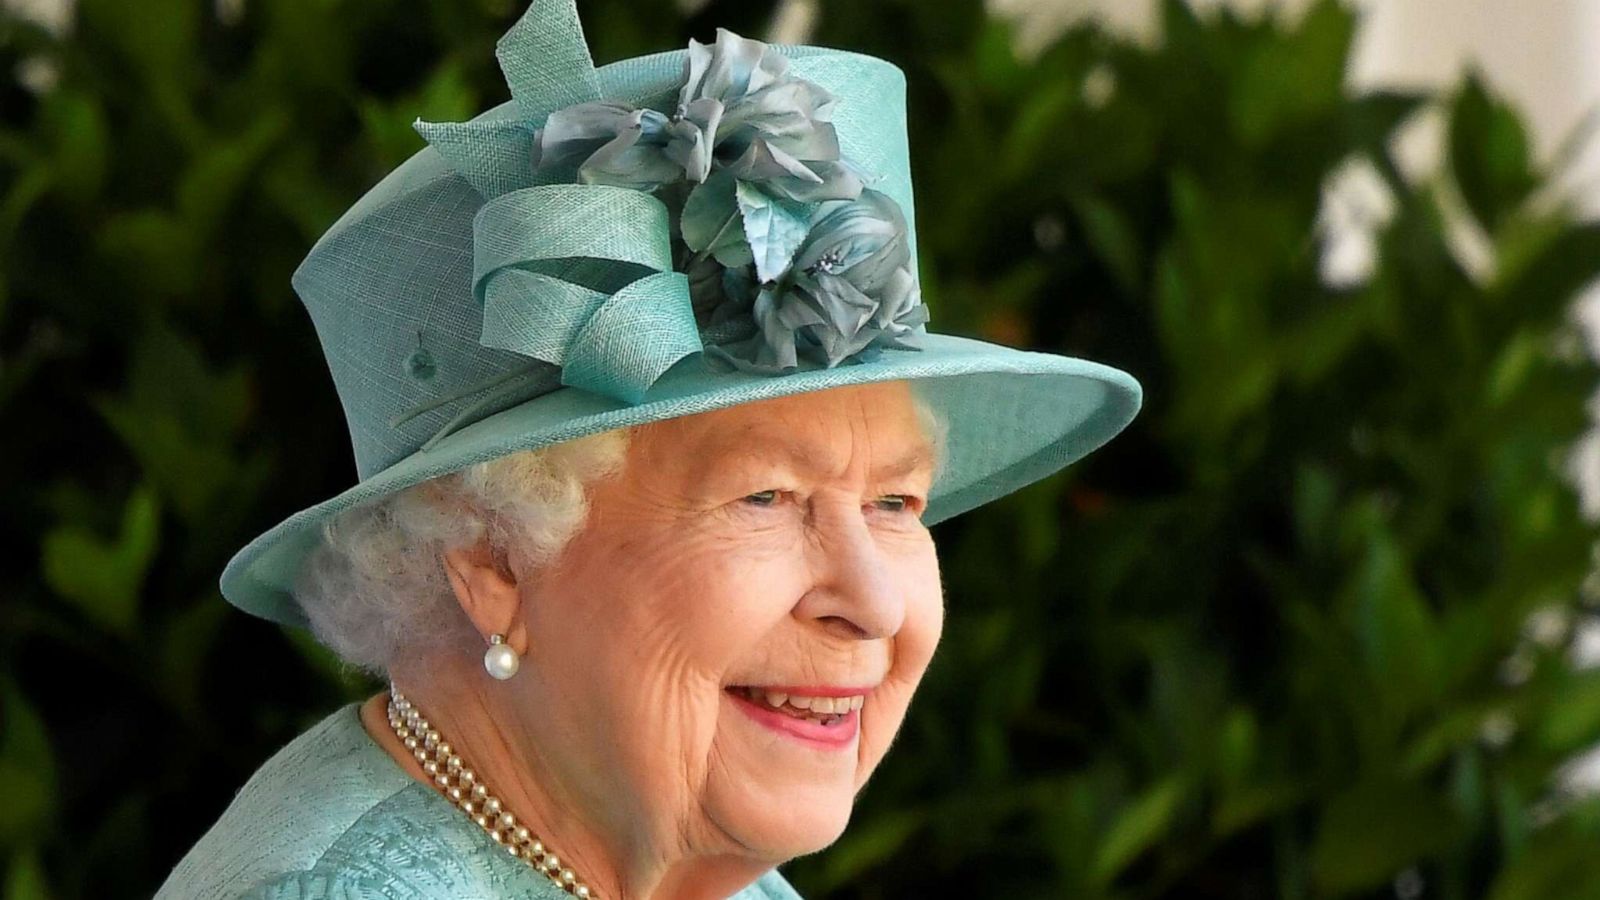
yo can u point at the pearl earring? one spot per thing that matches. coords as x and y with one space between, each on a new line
500 659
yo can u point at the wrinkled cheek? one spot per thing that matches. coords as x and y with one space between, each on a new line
880 722
660 738
732 752
913 652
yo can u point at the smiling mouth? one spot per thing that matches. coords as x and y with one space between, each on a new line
822 710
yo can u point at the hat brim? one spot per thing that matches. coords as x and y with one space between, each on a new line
1013 417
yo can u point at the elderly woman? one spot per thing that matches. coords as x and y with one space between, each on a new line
650 432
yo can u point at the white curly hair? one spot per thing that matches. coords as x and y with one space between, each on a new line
375 589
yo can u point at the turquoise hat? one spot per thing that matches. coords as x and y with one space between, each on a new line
657 237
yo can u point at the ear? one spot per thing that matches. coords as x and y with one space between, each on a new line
487 592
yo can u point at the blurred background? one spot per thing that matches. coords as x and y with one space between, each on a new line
1321 623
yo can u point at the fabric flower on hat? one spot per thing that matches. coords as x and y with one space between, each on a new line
850 288
737 108
766 126
788 254
616 143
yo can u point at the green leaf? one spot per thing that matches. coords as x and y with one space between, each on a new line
1138 826
104 577
1242 807
27 191
25 879
27 768
1181 28
1544 266
157 36
1114 238
1290 80
1396 630
224 169
1036 129
192 471
296 189
153 251
180 418
1555 866
869 844
995 63
1238 742
190 636
1518 358
1314 504
1374 830
773 227
1372 118
1572 719
1460 728
447 96
79 140
1489 154
1322 340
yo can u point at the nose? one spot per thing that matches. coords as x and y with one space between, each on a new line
855 592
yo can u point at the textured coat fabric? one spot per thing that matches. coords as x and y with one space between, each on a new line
332 816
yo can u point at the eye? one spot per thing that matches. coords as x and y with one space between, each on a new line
896 502
762 498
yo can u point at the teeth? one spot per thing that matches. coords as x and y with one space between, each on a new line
822 706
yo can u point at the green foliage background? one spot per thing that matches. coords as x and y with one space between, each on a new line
1270 642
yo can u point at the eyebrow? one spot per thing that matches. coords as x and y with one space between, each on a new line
803 455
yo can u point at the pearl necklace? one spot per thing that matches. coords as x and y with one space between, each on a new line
460 784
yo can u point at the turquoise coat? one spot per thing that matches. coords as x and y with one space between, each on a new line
332 816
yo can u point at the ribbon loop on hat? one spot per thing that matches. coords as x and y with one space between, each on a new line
546 63
546 60
580 276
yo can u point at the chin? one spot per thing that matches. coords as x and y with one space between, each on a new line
792 830
778 822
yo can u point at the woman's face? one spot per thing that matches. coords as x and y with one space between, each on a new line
770 548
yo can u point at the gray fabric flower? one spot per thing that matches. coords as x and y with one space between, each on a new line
615 144
791 255
770 128
850 290
721 293
738 108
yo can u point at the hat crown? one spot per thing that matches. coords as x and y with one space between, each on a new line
395 287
